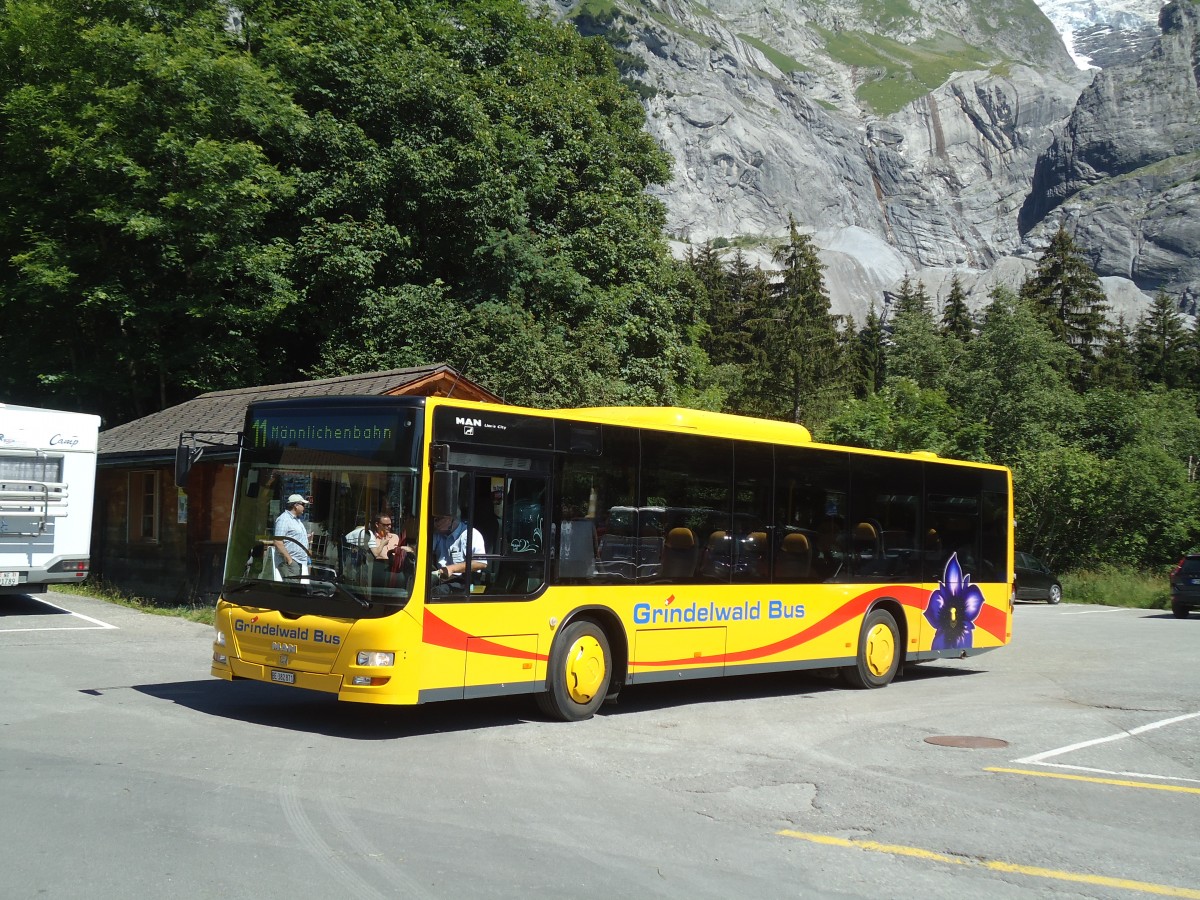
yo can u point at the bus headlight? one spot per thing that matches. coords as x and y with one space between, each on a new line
219 640
376 658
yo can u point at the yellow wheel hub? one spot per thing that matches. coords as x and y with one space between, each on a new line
880 650
585 669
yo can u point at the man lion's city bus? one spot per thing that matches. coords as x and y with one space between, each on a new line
47 483
602 548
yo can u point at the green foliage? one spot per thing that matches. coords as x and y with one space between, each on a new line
781 61
139 179
321 187
902 416
956 316
204 613
871 352
1011 385
1067 295
1116 365
1160 344
1110 585
920 352
797 369
906 71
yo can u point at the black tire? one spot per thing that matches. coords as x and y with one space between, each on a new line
879 652
1180 610
579 673
1055 595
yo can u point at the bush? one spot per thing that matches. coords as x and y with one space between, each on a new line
1110 586
99 590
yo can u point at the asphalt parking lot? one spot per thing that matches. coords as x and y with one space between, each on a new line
1065 765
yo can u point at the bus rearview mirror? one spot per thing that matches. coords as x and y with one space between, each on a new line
184 458
445 493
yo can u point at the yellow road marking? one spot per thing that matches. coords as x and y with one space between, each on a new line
1117 781
996 865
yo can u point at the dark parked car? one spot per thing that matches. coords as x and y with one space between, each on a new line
1036 580
1185 585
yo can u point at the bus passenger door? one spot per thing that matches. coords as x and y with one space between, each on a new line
508 546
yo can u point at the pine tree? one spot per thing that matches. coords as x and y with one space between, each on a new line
855 374
1159 344
956 315
910 298
1191 353
1116 366
799 375
1067 294
745 285
872 353
919 351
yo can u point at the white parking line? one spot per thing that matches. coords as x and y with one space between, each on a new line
96 623
1039 759
1107 609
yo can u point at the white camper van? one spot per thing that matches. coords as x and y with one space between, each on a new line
47 486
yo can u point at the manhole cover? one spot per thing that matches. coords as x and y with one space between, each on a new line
965 740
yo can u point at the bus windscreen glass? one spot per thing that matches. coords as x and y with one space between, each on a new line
355 468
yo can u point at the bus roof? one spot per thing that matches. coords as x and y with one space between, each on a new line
770 430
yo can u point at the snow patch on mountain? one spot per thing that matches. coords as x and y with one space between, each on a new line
1073 16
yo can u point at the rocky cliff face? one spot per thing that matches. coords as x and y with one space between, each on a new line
905 136
1125 172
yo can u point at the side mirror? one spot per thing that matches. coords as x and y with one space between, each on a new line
185 457
445 493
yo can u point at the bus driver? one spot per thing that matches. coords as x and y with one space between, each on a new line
450 552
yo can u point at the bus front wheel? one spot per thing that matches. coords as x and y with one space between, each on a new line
878 652
580 670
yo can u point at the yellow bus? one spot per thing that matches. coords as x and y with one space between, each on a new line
569 554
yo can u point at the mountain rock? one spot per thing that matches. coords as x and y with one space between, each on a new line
1124 173
1103 46
904 137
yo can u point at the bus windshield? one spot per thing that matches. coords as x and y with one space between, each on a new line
356 469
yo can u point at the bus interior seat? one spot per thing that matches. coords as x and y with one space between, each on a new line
795 557
718 552
681 553
617 552
866 540
753 551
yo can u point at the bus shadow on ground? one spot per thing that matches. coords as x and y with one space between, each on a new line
302 711
314 713
802 685
28 605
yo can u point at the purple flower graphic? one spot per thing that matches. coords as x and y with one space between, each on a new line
953 607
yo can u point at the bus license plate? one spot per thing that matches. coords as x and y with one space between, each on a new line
8 579
283 677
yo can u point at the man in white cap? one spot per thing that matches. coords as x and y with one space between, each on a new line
291 540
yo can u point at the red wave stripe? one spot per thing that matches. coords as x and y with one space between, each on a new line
441 633
994 621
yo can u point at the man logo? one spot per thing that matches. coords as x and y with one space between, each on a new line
463 420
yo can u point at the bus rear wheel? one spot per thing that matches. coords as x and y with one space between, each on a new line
580 670
878 652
